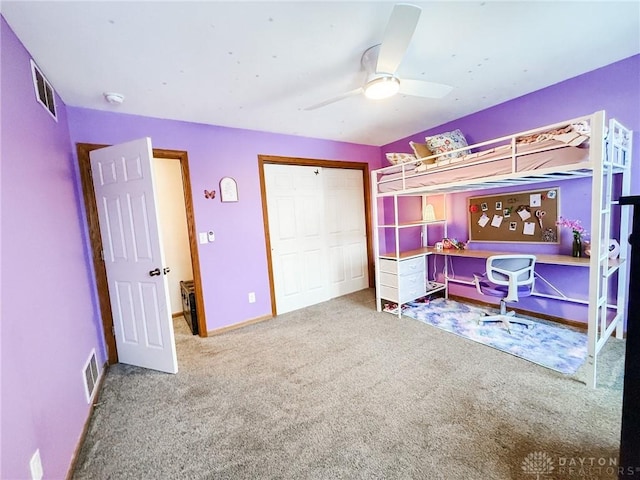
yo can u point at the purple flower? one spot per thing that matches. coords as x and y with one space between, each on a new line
575 226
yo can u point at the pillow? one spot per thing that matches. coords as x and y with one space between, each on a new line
421 150
528 139
567 134
446 142
398 158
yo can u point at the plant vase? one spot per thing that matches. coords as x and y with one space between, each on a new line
577 246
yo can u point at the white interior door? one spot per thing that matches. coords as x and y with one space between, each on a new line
317 233
298 238
346 230
124 189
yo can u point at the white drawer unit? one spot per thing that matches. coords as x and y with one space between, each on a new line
403 267
402 281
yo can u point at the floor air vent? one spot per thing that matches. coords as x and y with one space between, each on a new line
91 376
44 92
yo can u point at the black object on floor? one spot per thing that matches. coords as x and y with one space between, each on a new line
189 305
629 439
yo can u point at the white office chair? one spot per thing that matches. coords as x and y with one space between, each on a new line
508 277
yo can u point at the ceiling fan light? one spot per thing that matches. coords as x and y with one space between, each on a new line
383 87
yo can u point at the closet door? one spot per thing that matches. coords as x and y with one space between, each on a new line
295 204
317 231
346 230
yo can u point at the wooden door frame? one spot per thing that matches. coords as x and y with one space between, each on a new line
91 210
311 162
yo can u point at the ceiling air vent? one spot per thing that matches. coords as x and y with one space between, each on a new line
44 92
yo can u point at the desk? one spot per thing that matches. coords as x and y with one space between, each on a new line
468 253
550 259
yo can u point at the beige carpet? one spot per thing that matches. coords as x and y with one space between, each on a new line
339 390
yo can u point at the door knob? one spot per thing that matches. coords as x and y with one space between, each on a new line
166 270
155 272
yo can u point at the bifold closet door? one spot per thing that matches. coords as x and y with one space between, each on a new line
346 230
317 233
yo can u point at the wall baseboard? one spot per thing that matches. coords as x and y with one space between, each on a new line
235 326
87 422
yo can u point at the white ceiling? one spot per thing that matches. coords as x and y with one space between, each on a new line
257 65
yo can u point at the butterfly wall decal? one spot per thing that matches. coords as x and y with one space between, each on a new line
210 194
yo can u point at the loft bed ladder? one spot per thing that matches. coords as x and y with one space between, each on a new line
603 317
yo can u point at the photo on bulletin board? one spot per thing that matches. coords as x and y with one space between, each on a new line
528 216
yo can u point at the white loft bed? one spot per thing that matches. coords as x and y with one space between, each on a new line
606 151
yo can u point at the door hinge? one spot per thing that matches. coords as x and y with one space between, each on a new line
102 255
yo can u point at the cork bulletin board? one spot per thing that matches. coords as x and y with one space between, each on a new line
528 216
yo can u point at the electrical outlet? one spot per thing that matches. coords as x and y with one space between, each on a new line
35 464
252 297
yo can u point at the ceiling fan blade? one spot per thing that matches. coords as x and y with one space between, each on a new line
397 36
348 94
420 88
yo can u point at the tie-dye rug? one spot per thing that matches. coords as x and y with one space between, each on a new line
559 348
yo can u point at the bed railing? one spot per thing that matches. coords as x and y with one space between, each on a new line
408 171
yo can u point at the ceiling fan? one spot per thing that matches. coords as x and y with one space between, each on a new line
380 62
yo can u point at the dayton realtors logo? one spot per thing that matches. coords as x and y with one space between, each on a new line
539 464
542 465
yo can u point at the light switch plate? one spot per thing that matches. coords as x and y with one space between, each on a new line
203 237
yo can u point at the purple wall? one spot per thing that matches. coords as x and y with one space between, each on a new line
49 322
614 88
236 263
